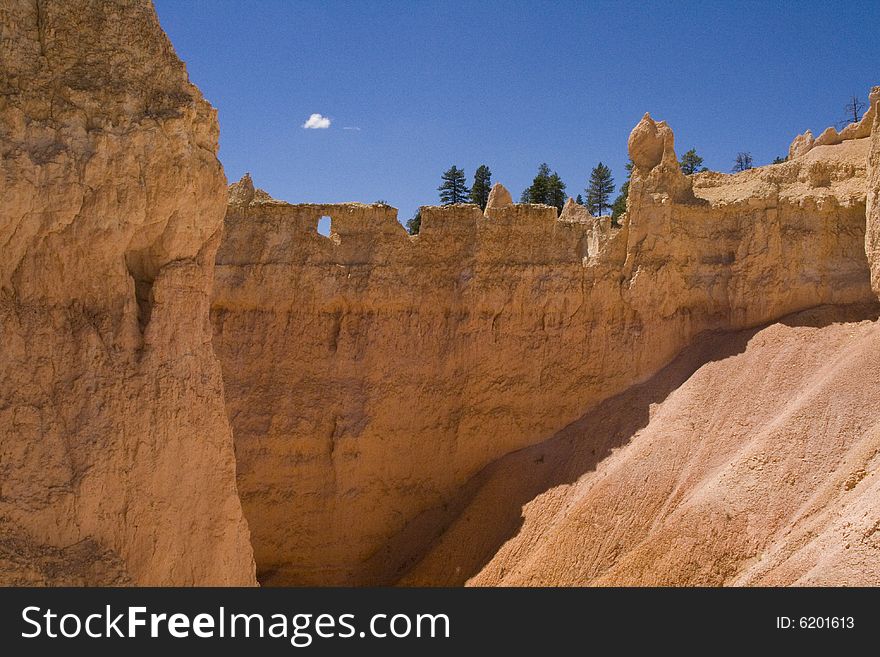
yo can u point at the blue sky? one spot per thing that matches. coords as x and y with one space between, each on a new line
424 85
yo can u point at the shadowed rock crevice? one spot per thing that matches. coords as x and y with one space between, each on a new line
143 276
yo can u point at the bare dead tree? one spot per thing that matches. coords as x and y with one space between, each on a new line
854 110
743 162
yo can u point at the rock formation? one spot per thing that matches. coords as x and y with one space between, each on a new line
499 197
802 144
575 212
872 237
116 458
371 375
652 151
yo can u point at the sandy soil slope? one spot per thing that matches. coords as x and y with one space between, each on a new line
752 459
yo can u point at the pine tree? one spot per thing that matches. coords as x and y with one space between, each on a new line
579 200
556 192
779 160
482 186
414 224
454 187
619 205
742 162
599 190
538 191
691 162
546 188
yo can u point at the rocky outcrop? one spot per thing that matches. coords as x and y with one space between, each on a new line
499 197
116 456
371 375
802 144
648 142
600 228
872 237
652 151
575 212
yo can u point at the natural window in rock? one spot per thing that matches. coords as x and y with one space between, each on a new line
324 226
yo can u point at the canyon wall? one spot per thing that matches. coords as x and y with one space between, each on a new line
872 237
370 374
374 379
116 458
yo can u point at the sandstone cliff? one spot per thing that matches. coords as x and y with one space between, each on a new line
370 375
116 458
872 238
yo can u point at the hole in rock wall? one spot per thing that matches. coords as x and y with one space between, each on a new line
324 226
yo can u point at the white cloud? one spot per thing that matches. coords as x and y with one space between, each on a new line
316 122
351 127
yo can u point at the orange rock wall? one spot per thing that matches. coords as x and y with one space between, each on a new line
370 375
116 456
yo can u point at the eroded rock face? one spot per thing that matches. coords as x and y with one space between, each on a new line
573 211
371 375
872 237
750 460
113 434
829 137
